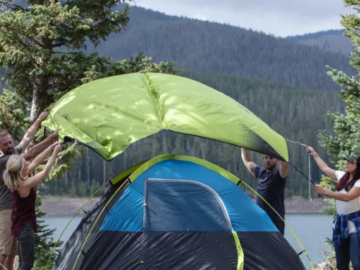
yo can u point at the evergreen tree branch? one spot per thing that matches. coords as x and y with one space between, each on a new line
346 127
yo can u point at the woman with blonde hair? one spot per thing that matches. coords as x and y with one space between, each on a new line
24 188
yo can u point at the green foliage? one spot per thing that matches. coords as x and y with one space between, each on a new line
346 126
63 161
329 254
329 184
95 185
72 191
12 113
32 36
140 63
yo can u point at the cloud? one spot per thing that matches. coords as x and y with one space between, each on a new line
277 17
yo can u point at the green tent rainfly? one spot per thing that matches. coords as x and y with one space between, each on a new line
110 114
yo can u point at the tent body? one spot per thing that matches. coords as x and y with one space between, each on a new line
177 212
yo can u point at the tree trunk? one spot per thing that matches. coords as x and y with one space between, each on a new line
39 98
34 106
41 82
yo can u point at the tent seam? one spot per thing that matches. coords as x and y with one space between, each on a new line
155 100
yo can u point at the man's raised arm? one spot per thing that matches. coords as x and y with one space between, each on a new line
30 134
40 147
248 162
284 169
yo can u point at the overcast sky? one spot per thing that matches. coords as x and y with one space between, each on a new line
277 17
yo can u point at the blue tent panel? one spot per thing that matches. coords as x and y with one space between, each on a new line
245 216
183 206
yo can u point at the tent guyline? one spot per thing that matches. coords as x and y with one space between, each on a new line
67 225
296 167
307 178
92 227
287 225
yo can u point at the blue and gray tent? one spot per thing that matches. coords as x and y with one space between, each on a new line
177 212
171 211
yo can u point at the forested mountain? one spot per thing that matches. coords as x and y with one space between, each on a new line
218 48
277 79
297 114
332 40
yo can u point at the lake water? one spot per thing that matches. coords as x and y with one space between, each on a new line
311 230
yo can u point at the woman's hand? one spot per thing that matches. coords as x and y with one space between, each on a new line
57 148
344 197
311 151
320 190
52 146
54 136
42 116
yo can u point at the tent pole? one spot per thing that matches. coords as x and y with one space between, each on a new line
310 198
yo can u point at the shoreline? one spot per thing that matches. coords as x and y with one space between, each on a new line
68 206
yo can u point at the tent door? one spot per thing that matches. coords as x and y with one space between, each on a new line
183 205
186 226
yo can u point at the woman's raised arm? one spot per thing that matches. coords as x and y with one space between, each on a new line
36 179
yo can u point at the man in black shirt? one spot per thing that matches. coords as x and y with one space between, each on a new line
271 185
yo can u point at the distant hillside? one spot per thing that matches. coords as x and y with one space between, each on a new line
209 47
332 40
270 76
218 48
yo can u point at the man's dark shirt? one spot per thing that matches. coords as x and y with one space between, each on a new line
5 193
271 187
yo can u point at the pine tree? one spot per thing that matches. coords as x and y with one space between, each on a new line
346 127
41 47
42 44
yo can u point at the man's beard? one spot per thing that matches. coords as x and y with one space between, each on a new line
9 151
271 167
